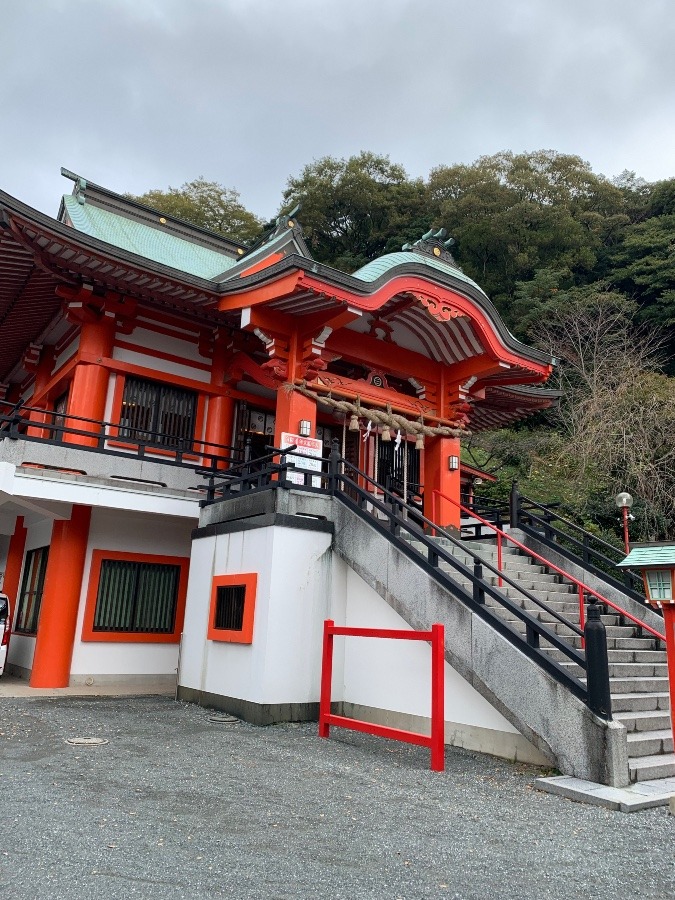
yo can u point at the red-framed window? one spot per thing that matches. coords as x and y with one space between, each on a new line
135 597
232 608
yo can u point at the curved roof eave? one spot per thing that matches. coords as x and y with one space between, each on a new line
366 289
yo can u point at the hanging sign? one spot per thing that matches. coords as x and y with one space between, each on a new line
312 453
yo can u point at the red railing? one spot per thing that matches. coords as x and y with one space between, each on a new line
435 742
582 588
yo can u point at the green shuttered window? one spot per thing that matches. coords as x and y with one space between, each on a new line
136 597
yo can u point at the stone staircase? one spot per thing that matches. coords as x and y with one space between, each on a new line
637 662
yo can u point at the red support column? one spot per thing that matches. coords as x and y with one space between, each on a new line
43 371
669 628
437 698
220 410
61 600
326 678
17 546
292 407
90 381
438 476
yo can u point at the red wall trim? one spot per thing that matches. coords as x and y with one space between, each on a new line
126 637
250 582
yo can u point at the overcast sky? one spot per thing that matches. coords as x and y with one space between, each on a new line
140 94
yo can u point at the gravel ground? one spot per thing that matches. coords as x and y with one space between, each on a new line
175 806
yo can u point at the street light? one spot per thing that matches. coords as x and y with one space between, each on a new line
624 501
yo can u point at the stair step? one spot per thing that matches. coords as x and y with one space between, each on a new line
628 702
650 743
649 720
638 685
645 768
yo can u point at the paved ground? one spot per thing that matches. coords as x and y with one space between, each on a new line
175 806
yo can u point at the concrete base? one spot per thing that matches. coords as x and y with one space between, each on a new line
255 713
11 686
644 795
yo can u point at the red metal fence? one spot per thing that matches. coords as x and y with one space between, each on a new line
435 742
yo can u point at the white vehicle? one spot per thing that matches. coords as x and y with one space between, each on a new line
5 625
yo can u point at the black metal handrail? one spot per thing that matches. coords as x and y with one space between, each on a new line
201 456
574 542
394 511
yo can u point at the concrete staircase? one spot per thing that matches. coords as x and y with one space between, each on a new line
637 662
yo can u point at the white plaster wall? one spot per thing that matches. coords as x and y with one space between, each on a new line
66 353
160 365
22 646
300 584
133 533
182 347
282 664
396 675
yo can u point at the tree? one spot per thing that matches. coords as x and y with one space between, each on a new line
514 214
358 208
617 412
207 204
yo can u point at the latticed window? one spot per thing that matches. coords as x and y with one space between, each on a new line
30 595
157 413
230 607
136 597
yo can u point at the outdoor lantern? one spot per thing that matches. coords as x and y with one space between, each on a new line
453 463
623 500
656 562
305 428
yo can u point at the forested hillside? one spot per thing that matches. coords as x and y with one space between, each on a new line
576 263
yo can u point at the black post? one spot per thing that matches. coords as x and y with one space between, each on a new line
333 465
478 592
514 504
597 663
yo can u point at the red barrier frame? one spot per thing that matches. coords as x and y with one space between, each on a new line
436 742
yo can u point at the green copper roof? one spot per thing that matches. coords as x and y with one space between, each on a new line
152 243
373 270
654 555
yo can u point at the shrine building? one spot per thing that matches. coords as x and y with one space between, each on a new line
140 354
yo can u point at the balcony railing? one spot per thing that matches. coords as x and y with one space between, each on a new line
31 423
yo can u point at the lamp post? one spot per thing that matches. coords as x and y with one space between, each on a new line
624 501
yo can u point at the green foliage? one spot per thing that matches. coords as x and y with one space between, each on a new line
356 209
208 205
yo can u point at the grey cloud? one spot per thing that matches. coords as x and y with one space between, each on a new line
145 94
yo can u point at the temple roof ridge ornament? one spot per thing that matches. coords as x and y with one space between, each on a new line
433 243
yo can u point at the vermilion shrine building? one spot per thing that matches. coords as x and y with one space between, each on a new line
137 348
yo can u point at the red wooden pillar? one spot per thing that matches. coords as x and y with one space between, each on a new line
61 600
439 477
220 410
43 371
292 408
669 628
17 545
90 382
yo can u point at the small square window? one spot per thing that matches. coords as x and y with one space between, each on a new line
660 586
232 608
